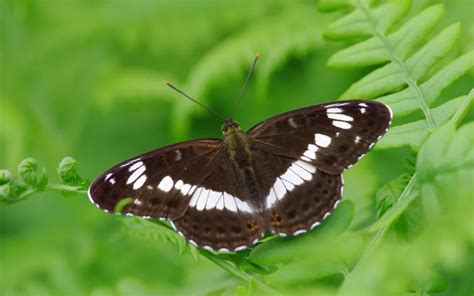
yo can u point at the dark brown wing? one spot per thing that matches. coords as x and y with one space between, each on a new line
189 183
300 156
330 136
160 182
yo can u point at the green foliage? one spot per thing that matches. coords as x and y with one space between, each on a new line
67 171
32 179
84 78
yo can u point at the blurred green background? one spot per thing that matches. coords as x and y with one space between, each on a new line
84 79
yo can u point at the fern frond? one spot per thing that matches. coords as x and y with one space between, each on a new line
415 133
372 50
354 24
409 77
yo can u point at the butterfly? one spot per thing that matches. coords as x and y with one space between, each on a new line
283 176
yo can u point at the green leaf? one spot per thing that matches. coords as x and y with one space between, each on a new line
67 171
355 25
122 204
445 151
5 191
408 224
388 194
415 133
391 77
332 5
42 178
405 101
5 176
281 250
28 171
373 51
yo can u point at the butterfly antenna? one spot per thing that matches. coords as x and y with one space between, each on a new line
195 101
244 85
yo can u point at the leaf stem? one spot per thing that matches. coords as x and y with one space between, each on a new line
403 67
403 201
51 188
463 108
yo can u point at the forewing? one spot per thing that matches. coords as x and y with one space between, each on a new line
330 136
159 183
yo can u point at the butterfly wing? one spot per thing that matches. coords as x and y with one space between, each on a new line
220 215
300 156
189 183
151 180
330 136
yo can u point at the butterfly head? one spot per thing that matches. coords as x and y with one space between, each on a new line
230 125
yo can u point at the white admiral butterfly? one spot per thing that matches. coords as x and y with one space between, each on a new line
283 175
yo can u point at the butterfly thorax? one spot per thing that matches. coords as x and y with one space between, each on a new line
236 144
238 149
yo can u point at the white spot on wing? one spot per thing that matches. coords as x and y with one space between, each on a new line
307 166
135 166
240 248
139 182
178 154
202 199
229 202
298 232
305 175
322 140
289 175
178 184
112 181
292 122
280 189
185 189
195 197
334 110
243 206
312 147
212 199
289 186
166 184
341 124
271 198
137 173
357 139
108 176
310 154
220 203
363 105
362 110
